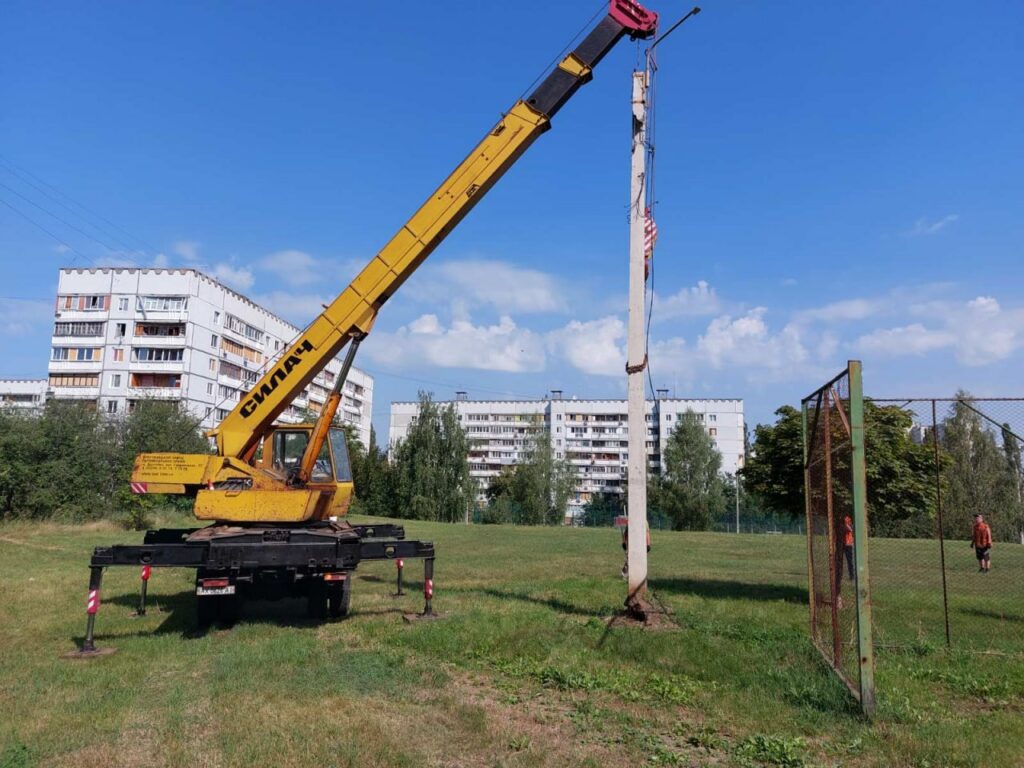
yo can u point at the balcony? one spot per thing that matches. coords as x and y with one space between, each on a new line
154 393
75 366
144 340
75 393
144 366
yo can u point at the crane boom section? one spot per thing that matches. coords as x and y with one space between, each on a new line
354 310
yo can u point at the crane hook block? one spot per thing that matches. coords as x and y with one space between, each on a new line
638 20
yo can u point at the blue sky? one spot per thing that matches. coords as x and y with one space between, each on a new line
834 181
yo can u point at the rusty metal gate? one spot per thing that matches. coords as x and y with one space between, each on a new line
835 492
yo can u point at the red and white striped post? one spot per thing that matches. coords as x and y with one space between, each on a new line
146 571
428 587
399 566
92 606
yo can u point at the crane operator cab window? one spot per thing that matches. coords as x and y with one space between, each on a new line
289 445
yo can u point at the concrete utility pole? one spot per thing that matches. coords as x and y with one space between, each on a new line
636 357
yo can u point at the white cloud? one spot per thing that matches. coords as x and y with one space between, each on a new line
187 249
978 332
484 282
746 342
62 249
842 311
293 267
696 301
426 341
913 339
20 316
594 347
239 278
297 308
160 260
925 227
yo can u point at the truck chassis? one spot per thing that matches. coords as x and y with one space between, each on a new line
234 562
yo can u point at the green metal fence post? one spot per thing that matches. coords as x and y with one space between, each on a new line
860 530
807 509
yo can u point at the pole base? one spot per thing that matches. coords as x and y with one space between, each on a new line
93 654
412 618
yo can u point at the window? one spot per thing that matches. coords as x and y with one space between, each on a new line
166 380
74 380
157 355
209 389
162 303
241 350
159 329
216 318
78 329
213 364
118 354
241 327
122 304
712 431
111 406
668 417
277 345
230 370
209 410
115 379
120 329
77 303
79 354
213 340
712 417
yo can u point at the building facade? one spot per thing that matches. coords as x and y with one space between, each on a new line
123 335
27 394
592 435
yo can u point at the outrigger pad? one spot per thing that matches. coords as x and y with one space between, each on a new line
80 654
412 618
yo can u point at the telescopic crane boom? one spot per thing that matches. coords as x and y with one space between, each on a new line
253 477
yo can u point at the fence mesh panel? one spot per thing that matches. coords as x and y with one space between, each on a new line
929 585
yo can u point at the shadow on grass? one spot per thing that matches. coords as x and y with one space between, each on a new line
179 615
1016 618
734 590
561 606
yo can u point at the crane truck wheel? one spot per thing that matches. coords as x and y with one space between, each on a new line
316 605
339 597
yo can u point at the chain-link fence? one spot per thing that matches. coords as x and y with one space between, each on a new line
942 575
835 492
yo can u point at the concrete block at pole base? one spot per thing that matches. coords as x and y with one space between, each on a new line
95 653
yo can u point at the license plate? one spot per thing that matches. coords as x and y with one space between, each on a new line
206 591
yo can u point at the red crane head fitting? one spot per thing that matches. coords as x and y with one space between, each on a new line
640 22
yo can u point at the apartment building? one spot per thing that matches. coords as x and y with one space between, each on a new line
122 335
22 393
592 435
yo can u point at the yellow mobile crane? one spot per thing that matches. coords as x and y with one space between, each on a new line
271 488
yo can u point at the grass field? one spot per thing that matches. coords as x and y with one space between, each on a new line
524 671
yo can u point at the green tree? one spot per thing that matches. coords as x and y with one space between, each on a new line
690 489
900 474
1011 447
536 491
602 509
373 477
75 463
774 467
431 467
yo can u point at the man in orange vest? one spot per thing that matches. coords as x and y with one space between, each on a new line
844 550
981 540
625 547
